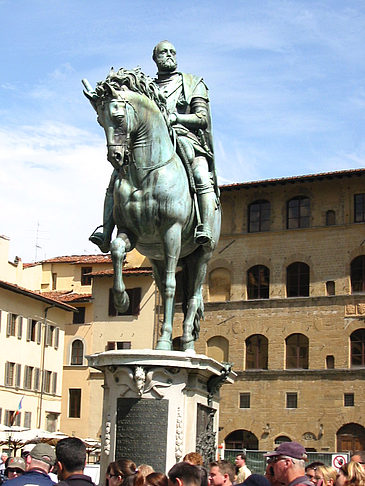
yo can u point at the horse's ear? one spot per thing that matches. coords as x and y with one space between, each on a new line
114 94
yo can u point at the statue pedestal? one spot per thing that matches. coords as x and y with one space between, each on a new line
159 405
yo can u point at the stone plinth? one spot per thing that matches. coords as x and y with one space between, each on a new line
159 405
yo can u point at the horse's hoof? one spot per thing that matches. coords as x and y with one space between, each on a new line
121 302
164 345
187 343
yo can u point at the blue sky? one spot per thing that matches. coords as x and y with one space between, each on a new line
286 81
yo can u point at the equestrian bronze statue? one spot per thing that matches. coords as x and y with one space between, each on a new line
163 195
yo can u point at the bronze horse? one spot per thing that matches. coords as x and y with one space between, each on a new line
153 206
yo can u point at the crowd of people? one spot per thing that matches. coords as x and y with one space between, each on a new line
286 466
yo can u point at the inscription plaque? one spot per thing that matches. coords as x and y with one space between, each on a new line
142 431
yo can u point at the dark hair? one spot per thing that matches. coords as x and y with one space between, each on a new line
314 465
204 481
256 480
71 453
157 479
241 455
188 472
127 469
225 467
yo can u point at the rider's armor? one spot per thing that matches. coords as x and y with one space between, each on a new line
188 107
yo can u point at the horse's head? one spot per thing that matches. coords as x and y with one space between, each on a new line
116 114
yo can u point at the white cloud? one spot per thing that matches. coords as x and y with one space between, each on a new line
55 175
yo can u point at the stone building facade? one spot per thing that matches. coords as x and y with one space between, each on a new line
85 282
32 330
285 303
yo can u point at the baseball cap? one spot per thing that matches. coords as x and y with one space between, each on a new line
16 463
290 449
43 452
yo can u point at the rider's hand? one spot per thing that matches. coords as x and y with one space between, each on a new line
172 118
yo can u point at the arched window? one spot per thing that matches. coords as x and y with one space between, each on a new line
217 348
357 339
351 437
219 285
259 216
282 438
241 439
258 280
297 346
77 352
358 274
297 280
298 212
256 352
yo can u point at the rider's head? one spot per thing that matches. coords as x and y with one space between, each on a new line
164 55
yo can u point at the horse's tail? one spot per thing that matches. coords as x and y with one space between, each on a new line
199 315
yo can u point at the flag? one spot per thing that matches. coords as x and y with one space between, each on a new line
17 412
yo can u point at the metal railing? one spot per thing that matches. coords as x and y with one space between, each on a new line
256 461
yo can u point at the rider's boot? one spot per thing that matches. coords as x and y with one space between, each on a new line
102 239
207 206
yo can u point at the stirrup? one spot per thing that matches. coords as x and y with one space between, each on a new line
202 236
98 239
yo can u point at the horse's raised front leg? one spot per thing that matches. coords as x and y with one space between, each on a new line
172 245
118 248
195 271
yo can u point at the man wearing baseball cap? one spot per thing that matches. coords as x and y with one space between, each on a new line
288 461
15 467
39 462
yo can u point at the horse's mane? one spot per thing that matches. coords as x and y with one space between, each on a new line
135 80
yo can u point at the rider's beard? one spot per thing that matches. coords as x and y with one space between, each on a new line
167 65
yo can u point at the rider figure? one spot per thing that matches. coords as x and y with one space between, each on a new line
189 116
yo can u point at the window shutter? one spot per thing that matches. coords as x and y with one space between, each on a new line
25 379
20 327
36 379
6 377
57 338
112 310
135 296
27 419
54 383
29 329
8 325
43 384
39 332
18 372
46 337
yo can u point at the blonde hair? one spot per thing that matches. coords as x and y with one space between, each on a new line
328 473
354 473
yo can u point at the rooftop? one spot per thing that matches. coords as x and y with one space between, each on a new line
291 180
36 295
67 296
126 272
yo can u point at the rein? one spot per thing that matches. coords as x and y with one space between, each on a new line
127 143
